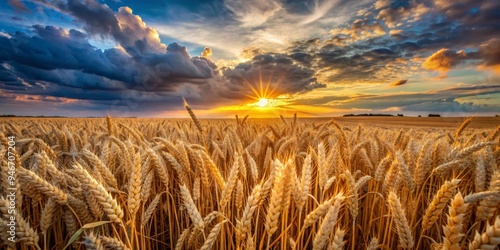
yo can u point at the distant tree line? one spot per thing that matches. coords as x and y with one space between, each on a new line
370 114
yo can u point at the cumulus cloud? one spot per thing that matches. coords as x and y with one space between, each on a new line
124 27
207 52
443 60
395 32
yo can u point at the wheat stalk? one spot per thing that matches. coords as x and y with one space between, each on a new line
193 116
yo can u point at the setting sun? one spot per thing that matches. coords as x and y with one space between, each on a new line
262 102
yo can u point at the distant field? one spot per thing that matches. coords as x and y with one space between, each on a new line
378 121
448 122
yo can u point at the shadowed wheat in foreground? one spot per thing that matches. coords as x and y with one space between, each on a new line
249 184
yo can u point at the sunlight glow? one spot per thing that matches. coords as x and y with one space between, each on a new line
262 102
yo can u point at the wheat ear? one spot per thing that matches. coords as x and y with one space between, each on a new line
134 189
47 216
244 225
193 116
489 205
353 194
317 213
338 240
42 186
182 238
404 232
453 230
276 201
193 212
439 202
490 239
231 183
92 242
214 233
373 244
113 243
321 238
108 203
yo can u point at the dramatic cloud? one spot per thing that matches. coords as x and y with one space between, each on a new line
55 48
443 60
126 28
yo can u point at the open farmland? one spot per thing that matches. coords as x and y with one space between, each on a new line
346 183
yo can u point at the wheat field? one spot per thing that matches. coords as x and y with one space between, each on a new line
117 183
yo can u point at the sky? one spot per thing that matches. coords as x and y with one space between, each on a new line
261 58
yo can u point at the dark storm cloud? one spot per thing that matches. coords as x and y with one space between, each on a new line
284 73
55 48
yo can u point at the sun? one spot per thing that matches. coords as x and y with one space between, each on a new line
263 102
